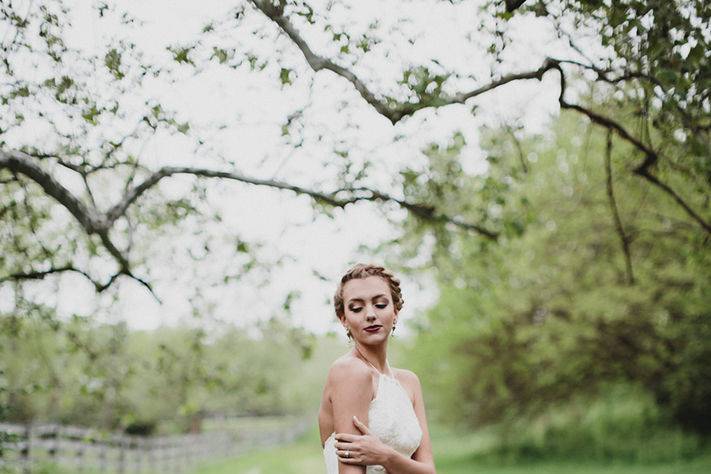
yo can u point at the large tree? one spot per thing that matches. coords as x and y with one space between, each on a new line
108 164
607 285
75 118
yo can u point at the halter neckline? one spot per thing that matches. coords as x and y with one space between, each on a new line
387 364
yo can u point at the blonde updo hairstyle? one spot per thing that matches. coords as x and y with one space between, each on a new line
364 270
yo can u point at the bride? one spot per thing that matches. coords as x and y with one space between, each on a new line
372 416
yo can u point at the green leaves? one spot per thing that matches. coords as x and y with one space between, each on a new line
183 127
90 114
222 55
305 11
550 298
426 86
285 76
62 87
696 55
112 60
181 54
289 300
667 76
241 246
158 116
365 43
21 91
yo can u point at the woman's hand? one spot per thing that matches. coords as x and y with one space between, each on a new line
365 449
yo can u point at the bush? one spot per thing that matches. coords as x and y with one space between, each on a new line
141 428
623 424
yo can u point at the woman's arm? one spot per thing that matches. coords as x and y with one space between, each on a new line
369 448
351 393
397 463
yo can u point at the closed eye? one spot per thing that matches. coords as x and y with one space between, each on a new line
379 306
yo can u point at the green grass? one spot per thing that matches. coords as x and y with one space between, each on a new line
302 456
454 454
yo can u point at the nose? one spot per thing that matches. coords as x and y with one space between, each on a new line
370 316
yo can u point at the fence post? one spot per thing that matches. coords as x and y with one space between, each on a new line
55 431
79 459
151 455
102 454
138 454
121 456
25 451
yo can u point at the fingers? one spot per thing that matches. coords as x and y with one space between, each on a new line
347 454
346 437
349 457
344 446
363 429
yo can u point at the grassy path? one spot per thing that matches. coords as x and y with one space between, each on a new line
452 455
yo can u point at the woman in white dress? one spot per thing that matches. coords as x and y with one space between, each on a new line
372 416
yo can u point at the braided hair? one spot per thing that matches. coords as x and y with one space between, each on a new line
364 270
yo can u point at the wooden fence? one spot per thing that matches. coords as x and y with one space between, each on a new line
85 450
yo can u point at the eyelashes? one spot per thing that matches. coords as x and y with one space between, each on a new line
380 306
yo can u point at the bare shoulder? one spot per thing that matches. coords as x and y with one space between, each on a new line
406 375
409 379
347 369
349 389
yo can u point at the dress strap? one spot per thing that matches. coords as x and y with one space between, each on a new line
387 364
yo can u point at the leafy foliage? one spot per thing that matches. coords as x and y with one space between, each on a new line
106 376
546 296
526 324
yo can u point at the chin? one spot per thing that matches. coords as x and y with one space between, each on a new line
374 339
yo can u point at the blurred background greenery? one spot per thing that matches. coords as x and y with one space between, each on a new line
537 351
571 330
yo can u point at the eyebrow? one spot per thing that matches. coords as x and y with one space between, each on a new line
382 295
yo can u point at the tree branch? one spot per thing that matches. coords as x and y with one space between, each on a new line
423 211
24 164
651 156
392 111
98 286
512 5
332 199
134 193
88 217
395 112
547 65
604 74
317 62
624 238
101 224
644 173
39 275
519 149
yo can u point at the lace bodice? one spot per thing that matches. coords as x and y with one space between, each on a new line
391 418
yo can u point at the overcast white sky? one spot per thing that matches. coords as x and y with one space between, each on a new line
254 105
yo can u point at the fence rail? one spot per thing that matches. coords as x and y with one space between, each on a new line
86 450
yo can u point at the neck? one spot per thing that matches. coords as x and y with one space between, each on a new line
376 355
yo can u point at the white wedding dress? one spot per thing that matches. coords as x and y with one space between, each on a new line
391 418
